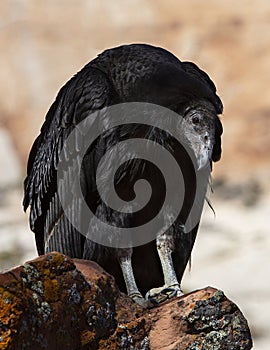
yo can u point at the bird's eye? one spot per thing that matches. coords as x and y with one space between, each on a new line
195 120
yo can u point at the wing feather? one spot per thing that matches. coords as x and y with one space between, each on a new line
86 92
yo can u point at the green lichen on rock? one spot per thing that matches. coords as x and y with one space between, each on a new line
44 310
129 336
208 314
31 278
215 340
102 318
74 294
194 346
145 344
220 324
51 303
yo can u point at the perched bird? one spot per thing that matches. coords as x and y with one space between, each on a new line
150 272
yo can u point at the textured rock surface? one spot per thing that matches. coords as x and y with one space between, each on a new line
204 319
53 302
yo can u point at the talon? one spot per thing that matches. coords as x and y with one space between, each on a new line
159 299
159 295
139 299
142 302
152 302
168 290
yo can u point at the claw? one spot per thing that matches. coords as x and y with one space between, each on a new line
157 296
139 299
168 290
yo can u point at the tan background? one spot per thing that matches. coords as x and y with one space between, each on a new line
43 43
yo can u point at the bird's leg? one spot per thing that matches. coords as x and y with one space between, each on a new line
171 288
126 266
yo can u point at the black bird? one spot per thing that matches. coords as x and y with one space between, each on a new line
128 73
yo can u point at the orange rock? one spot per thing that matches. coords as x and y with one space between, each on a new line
54 302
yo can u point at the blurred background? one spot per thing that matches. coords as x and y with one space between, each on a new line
43 43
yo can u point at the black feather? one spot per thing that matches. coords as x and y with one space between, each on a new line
127 73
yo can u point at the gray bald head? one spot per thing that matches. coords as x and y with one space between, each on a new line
199 129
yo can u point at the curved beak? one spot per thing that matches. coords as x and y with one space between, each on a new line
204 158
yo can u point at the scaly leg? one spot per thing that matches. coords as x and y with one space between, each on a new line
127 270
171 288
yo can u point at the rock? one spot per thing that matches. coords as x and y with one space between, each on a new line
54 302
204 319
48 303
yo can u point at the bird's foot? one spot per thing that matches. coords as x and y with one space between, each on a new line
157 296
139 299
